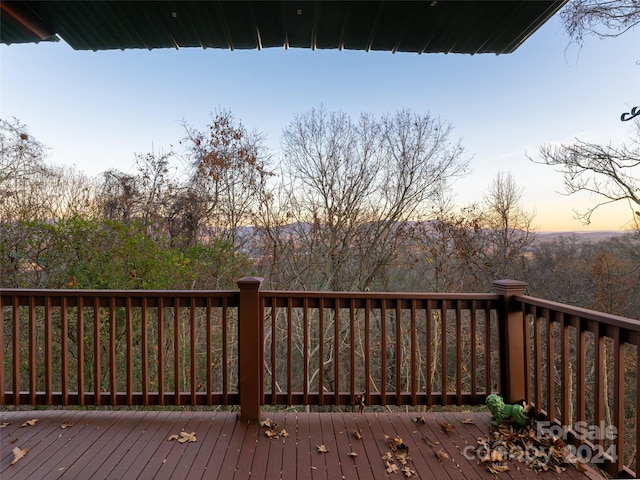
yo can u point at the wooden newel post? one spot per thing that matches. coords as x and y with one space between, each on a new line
512 342
250 348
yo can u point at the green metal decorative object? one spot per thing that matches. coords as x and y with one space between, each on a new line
500 412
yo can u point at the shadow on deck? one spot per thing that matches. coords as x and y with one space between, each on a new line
125 444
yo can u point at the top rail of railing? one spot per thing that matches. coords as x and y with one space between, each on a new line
38 296
604 318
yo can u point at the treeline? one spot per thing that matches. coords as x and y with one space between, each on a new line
350 204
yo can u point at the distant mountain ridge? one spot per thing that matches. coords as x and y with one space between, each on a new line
595 236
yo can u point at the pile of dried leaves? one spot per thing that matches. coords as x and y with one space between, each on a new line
537 450
272 430
400 454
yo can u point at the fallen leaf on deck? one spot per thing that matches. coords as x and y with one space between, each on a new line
496 468
66 425
267 423
403 457
392 467
357 434
30 423
322 449
496 456
272 431
420 419
441 454
447 427
187 437
387 457
468 421
18 453
408 472
396 443
173 437
352 454
4 424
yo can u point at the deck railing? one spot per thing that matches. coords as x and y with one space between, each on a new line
251 348
383 349
80 347
582 368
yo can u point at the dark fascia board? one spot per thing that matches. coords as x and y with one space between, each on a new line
21 24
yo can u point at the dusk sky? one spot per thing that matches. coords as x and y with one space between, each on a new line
96 110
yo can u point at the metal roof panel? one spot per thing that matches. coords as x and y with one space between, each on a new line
407 26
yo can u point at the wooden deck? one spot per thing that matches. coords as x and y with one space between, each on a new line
134 444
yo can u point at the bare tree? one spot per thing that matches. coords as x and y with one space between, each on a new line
351 187
155 187
439 252
22 172
603 18
466 250
20 153
611 174
607 172
508 229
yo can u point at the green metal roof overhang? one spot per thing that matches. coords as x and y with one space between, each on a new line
446 26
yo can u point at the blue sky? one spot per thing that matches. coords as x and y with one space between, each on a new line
96 110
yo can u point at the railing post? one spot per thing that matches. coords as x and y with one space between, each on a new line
512 342
250 348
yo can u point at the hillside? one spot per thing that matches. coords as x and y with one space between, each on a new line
590 237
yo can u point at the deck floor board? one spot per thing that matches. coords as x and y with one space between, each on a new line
123 444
